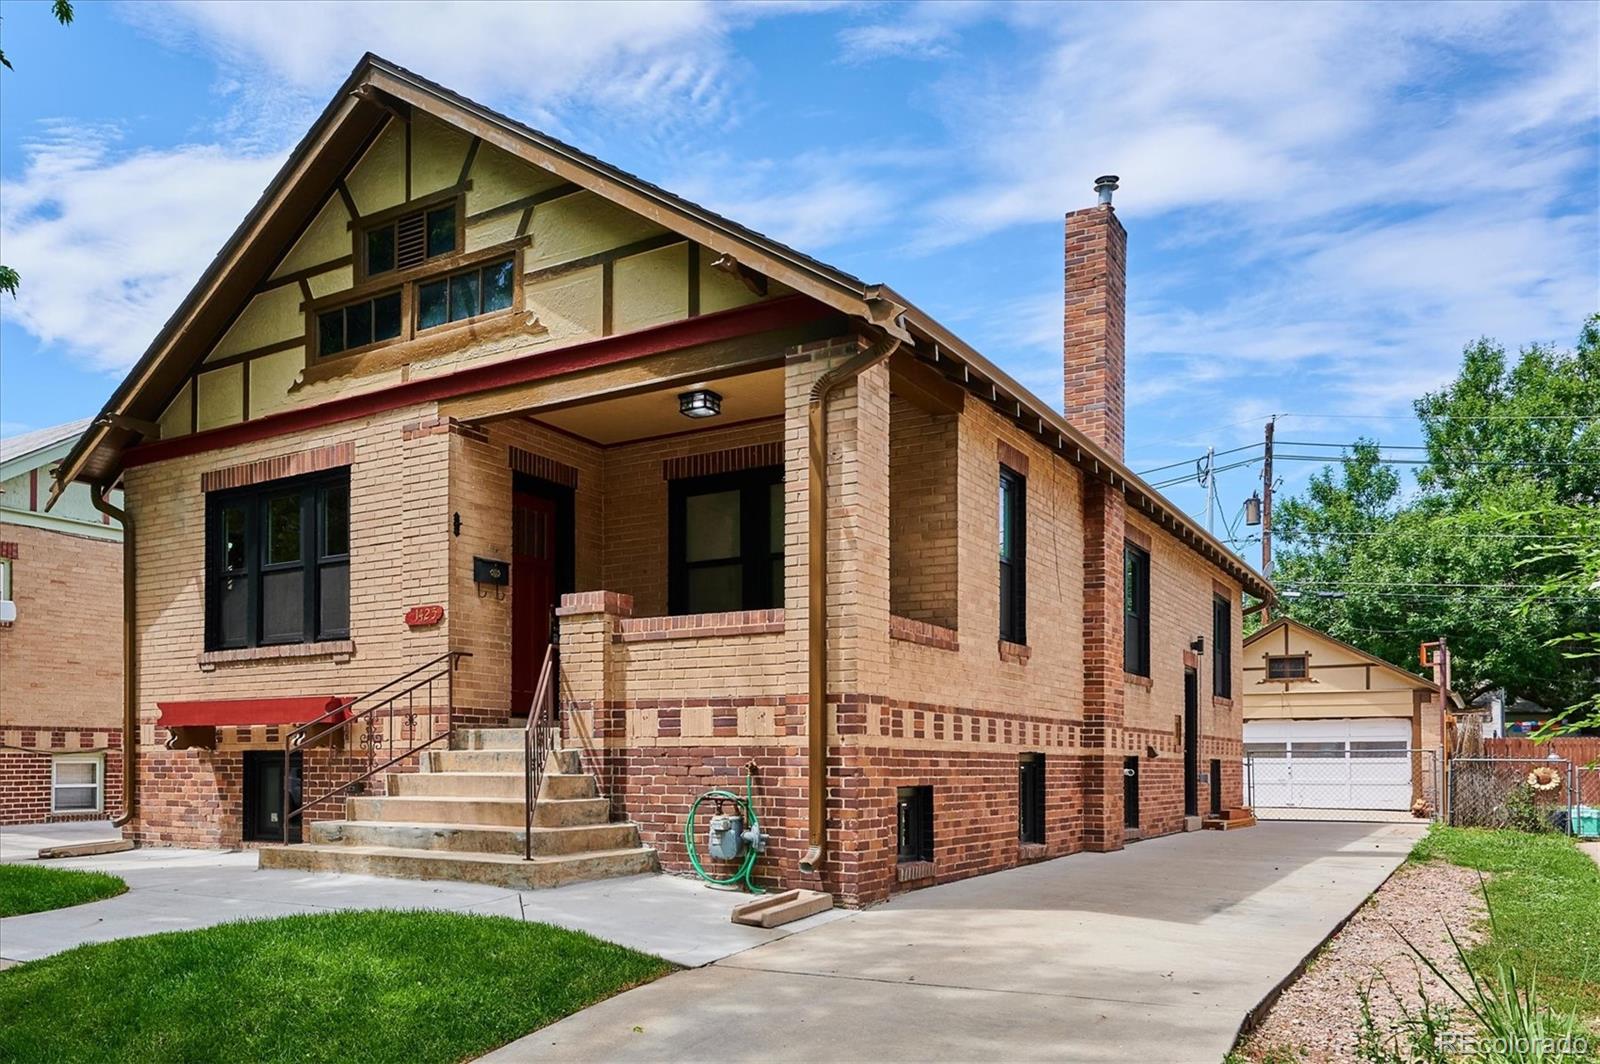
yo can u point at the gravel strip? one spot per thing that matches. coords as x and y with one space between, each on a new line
1318 1017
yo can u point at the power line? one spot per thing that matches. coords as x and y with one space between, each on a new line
1450 417
1458 535
1481 463
1191 461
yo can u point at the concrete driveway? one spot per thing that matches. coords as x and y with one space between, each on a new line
1154 953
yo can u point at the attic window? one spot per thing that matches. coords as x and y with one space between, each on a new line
411 239
357 325
1288 667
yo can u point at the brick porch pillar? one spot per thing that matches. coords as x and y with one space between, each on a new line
592 716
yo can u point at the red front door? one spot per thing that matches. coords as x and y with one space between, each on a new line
533 592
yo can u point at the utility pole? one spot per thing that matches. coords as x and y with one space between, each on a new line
1210 481
1266 512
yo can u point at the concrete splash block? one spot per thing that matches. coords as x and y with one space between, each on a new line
772 910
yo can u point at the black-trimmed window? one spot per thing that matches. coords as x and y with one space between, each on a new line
278 562
356 325
1013 556
459 296
1135 610
1030 798
914 823
1221 647
411 239
725 542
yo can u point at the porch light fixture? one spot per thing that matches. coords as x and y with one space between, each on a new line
702 402
1252 510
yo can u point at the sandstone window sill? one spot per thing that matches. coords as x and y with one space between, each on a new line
699 626
1016 653
1135 680
913 871
1222 703
339 650
923 633
1028 852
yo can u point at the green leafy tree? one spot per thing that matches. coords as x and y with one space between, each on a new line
62 10
1512 451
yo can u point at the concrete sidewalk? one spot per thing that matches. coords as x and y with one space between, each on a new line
1153 953
681 920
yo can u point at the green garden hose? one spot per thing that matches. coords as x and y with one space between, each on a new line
748 806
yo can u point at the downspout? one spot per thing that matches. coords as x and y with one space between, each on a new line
130 657
817 591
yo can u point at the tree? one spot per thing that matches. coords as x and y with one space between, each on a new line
1512 452
62 10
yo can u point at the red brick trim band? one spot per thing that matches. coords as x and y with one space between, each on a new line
1137 537
537 465
699 626
283 465
927 634
595 602
1011 458
8 550
733 460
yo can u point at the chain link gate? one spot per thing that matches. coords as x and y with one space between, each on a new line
1335 780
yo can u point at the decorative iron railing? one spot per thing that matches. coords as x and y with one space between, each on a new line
539 739
382 721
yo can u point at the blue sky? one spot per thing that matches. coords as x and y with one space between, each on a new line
1324 201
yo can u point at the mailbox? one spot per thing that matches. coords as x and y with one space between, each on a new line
491 571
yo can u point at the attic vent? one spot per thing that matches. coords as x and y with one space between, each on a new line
411 239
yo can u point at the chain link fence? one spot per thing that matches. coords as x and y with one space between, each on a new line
1525 793
1340 780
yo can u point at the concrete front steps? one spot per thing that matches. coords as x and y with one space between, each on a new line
462 817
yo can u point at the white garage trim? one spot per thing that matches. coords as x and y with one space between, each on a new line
1340 763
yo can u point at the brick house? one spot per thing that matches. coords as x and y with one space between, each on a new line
454 386
61 671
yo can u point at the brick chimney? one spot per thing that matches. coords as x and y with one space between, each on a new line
1094 357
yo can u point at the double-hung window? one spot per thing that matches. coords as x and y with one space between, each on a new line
725 542
1013 556
1135 610
1221 647
278 562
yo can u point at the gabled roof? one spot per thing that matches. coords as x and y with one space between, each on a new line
30 450
1372 659
377 88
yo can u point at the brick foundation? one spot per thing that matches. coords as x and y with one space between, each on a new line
25 777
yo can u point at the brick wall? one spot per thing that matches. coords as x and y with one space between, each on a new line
68 591
923 532
25 774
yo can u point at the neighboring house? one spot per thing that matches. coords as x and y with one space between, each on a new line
1329 726
451 377
60 641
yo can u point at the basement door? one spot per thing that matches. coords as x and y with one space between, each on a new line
541 572
1340 763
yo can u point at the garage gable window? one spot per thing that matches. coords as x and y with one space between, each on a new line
1288 667
278 562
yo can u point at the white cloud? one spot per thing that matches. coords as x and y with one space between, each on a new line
109 243
920 31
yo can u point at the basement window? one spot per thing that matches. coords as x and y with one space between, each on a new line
1288 667
1030 798
77 783
278 562
725 542
914 823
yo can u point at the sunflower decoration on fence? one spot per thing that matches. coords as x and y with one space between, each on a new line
1544 778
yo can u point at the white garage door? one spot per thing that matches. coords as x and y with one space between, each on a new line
1347 763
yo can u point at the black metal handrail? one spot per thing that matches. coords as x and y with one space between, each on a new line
539 736
380 706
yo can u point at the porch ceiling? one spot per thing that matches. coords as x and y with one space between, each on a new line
646 415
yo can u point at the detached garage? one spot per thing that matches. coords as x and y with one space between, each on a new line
1331 729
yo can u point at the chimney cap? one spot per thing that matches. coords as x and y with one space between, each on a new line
1106 185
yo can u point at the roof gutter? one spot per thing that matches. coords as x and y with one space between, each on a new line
130 655
817 602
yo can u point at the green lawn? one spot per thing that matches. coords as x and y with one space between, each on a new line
367 986
1545 893
31 888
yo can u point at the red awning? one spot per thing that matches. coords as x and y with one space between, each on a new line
246 711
